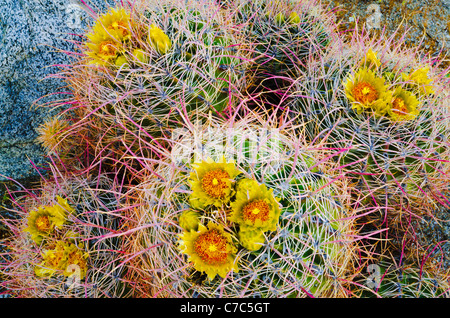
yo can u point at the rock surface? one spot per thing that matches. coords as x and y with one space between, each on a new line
425 23
32 33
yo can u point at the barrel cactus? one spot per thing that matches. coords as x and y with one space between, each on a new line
386 107
275 222
144 69
64 241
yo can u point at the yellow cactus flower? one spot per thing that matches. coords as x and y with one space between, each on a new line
114 24
76 261
255 206
367 91
106 39
60 211
211 183
40 224
54 260
104 51
159 40
419 79
64 204
64 258
210 249
371 60
403 106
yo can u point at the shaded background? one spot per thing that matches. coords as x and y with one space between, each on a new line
427 22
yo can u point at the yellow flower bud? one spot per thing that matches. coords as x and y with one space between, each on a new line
140 55
252 240
189 220
121 60
279 18
160 41
294 18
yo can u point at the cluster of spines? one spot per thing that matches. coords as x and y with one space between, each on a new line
282 38
390 278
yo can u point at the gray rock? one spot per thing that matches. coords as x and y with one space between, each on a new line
425 20
31 34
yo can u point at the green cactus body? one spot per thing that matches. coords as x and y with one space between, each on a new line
277 37
309 253
202 59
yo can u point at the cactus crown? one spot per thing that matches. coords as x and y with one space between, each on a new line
378 103
283 222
